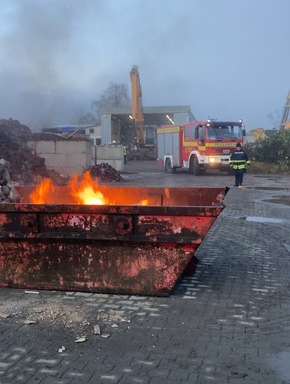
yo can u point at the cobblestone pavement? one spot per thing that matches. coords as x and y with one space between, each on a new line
228 323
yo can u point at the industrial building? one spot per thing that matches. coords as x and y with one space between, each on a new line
117 123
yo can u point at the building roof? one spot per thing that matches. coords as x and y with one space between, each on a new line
152 115
68 128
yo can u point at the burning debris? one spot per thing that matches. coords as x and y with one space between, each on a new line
80 190
85 191
21 165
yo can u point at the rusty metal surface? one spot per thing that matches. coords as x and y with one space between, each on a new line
108 248
94 267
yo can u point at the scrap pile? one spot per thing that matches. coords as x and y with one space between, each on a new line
18 160
105 172
18 163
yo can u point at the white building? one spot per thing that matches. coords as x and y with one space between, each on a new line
94 132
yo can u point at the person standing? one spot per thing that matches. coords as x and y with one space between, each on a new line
239 160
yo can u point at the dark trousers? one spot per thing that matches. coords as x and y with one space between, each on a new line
239 175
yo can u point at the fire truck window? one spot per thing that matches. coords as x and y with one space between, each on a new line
222 132
200 132
228 132
211 134
187 132
236 132
225 131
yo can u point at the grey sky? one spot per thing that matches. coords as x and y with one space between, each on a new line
227 59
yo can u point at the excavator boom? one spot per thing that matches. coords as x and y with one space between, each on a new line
137 111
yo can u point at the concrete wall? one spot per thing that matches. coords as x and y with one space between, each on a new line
67 157
111 154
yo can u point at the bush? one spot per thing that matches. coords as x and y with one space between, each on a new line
273 150
267 168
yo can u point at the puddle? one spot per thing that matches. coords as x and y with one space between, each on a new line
280 364
272 188
269 177
259 219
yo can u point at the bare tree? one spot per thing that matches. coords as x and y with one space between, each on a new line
275 117
87 118
116 95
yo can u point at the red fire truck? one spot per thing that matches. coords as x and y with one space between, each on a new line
199 145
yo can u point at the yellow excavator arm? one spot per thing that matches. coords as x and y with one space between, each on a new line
137 110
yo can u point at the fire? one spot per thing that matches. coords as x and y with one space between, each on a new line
39 195
85 191
80 190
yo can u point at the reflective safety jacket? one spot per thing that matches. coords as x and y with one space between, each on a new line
239 159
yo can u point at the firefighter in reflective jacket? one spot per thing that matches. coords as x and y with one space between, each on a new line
239 160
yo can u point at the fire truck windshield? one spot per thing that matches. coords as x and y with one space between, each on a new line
224 132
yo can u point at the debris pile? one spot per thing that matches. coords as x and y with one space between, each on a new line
7 194
105 172
19 163
56 177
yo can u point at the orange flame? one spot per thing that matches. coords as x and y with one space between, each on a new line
85 191
39 195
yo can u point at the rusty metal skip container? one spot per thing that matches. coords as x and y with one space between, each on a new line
122 248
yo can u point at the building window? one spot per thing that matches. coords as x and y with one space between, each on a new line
98 141
92 130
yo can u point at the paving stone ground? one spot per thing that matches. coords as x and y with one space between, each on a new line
228 323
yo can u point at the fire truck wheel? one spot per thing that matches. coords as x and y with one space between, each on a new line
168 167
194 166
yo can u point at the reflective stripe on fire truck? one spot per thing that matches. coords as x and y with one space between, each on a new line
221 144
173 129
195 144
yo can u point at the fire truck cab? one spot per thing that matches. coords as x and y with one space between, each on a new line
199 145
